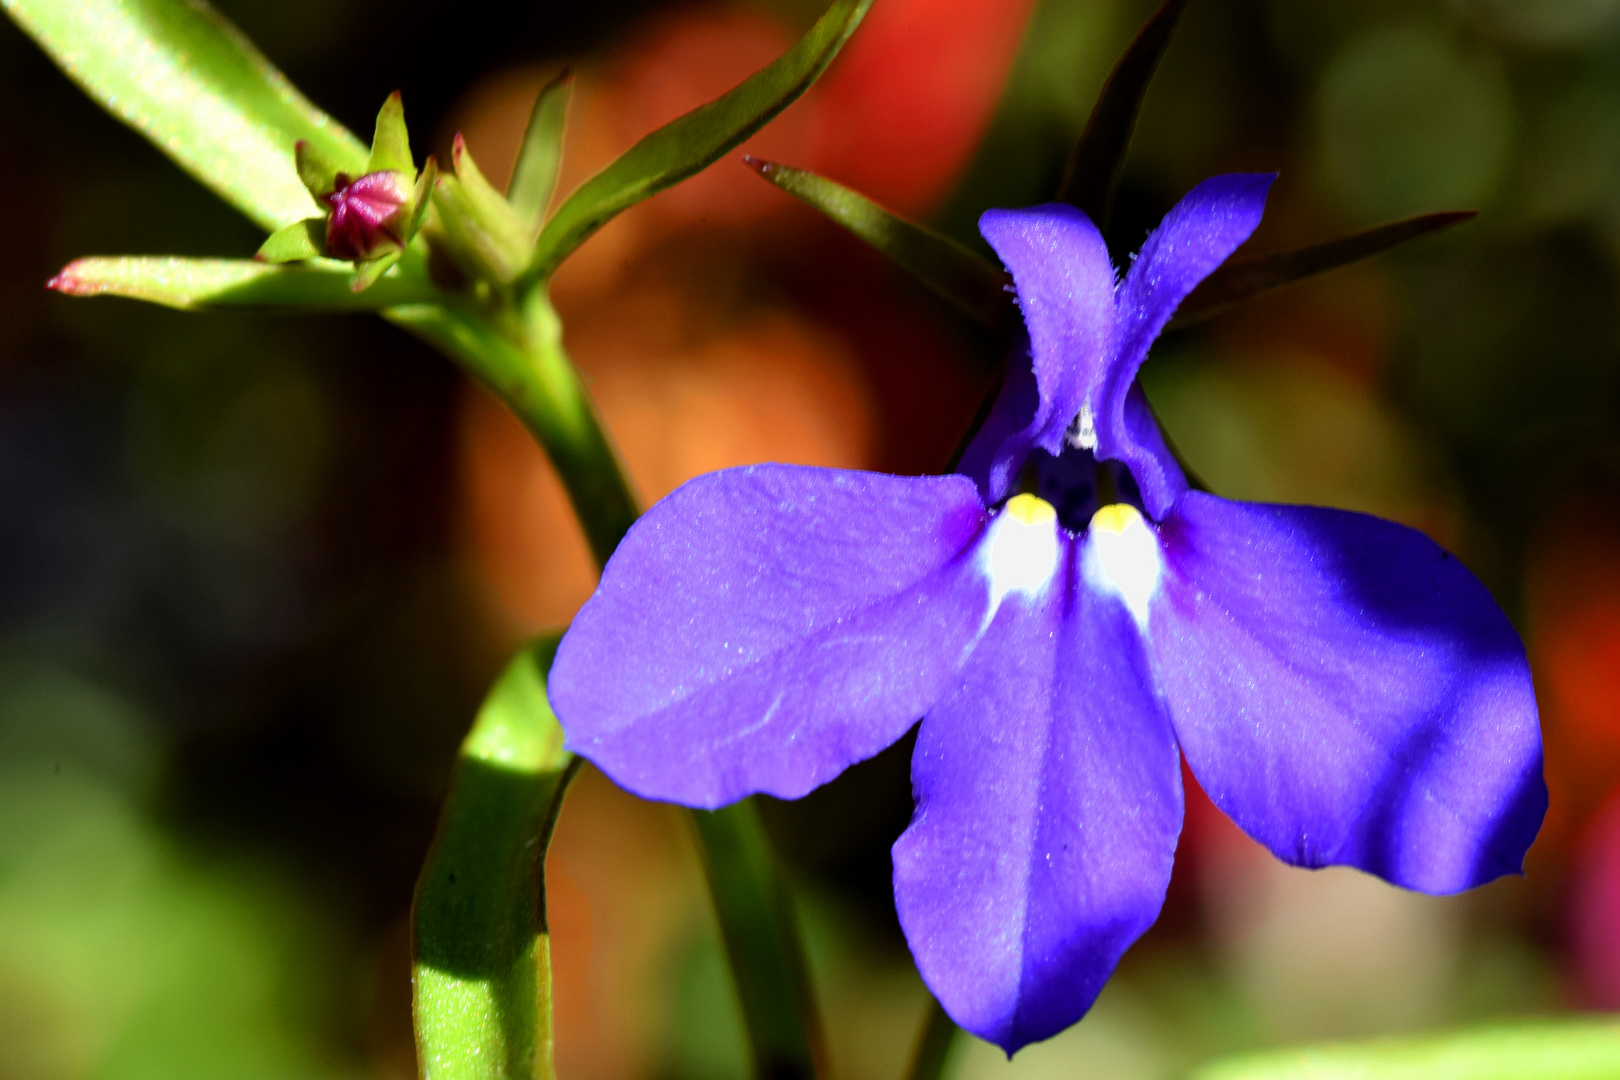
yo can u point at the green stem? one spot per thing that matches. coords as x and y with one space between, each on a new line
481 973
758 927
933 1045
518 353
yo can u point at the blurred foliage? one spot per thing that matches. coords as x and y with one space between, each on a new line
250 592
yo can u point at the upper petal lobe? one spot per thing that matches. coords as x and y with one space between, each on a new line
1048 792
1194 239
1348 692
763 628
1065 283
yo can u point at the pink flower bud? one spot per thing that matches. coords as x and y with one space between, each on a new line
369 215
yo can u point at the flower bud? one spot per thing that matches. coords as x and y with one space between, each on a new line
370 215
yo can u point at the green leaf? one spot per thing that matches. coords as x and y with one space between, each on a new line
191 284
692 142
762 943
483 230
295 243
534 177
391 145
1561 1050
184 77
1240 280
1094 166
482 963
972 283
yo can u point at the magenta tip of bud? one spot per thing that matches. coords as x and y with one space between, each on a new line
66 281
759 165
458 148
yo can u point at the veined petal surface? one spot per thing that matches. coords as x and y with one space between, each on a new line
763 628
1200 232
1048 791
1347 692
1065 283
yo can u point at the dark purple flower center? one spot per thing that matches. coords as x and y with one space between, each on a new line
1075 483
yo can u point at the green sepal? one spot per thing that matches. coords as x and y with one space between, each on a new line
391 145
534 177
1237 281
973 284
315 172
481 973
422 197
184 77
193 284
295 243
367 273
692 142
1545 1050
483 232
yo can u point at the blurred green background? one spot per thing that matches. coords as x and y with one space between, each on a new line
255 573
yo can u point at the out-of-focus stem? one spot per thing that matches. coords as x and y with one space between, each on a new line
933 1044
761 938
518 353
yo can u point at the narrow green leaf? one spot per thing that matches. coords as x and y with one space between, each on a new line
482 950
762 944
1550 1050
972 283
1241 280
391 145
184 77
1094 166
484 232
534 177
295 243
191 284
692 142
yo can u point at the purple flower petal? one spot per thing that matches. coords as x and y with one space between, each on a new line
1048 793
763 628
1198 234
1347 692
1065 283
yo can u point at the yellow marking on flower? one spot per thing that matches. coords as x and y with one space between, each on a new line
1122 558
1030 510
1115 518
1020 550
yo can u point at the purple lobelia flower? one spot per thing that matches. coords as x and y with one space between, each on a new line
1069 620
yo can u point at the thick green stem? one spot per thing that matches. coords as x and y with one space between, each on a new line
481 975
518 353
